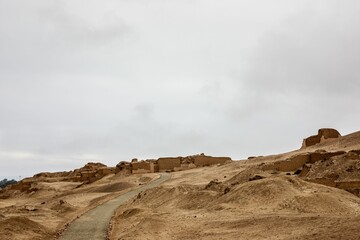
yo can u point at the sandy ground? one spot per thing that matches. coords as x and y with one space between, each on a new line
233 201
41 214
220 202
276 207
94 224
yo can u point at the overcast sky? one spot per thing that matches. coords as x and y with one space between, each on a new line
110 80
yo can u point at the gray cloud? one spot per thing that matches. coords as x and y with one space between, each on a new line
82 81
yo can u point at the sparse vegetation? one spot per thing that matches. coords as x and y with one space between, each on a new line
5 182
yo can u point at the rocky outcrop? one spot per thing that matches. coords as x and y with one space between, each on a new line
324 134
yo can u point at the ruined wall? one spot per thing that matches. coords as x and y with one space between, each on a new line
328 133
201 161
106 171
352 187
323 135
154 166
294 163
141 167
310 141
299 161
124 167
318 156
289 165
168 164
86 175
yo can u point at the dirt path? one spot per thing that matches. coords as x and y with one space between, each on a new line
94 224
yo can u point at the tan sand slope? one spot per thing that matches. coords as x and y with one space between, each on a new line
242 200
49 205
287 205
310 193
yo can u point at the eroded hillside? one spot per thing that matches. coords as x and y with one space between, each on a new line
272 197
310 193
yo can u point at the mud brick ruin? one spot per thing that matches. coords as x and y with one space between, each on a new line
169 164
303 164
323 135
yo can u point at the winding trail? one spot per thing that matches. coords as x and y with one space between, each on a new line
94 223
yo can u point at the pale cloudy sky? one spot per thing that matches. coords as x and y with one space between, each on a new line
110 80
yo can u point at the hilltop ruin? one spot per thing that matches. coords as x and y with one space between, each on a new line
323 135
169 164
92 172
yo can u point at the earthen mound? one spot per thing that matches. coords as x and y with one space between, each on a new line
22 228
62 207
290 194
183 197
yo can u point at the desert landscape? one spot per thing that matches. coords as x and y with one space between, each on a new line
309 193
132 120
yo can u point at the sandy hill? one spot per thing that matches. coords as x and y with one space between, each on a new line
310 193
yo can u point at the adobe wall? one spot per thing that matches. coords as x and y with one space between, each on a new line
289 165
154 166
310 141
294 163
352 187
318 156
201 161
106 170
87 175
168 164
299 161
328 133
140 165
323 135
124 167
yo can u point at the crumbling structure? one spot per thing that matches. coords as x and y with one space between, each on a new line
95 171
170 164
323 135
